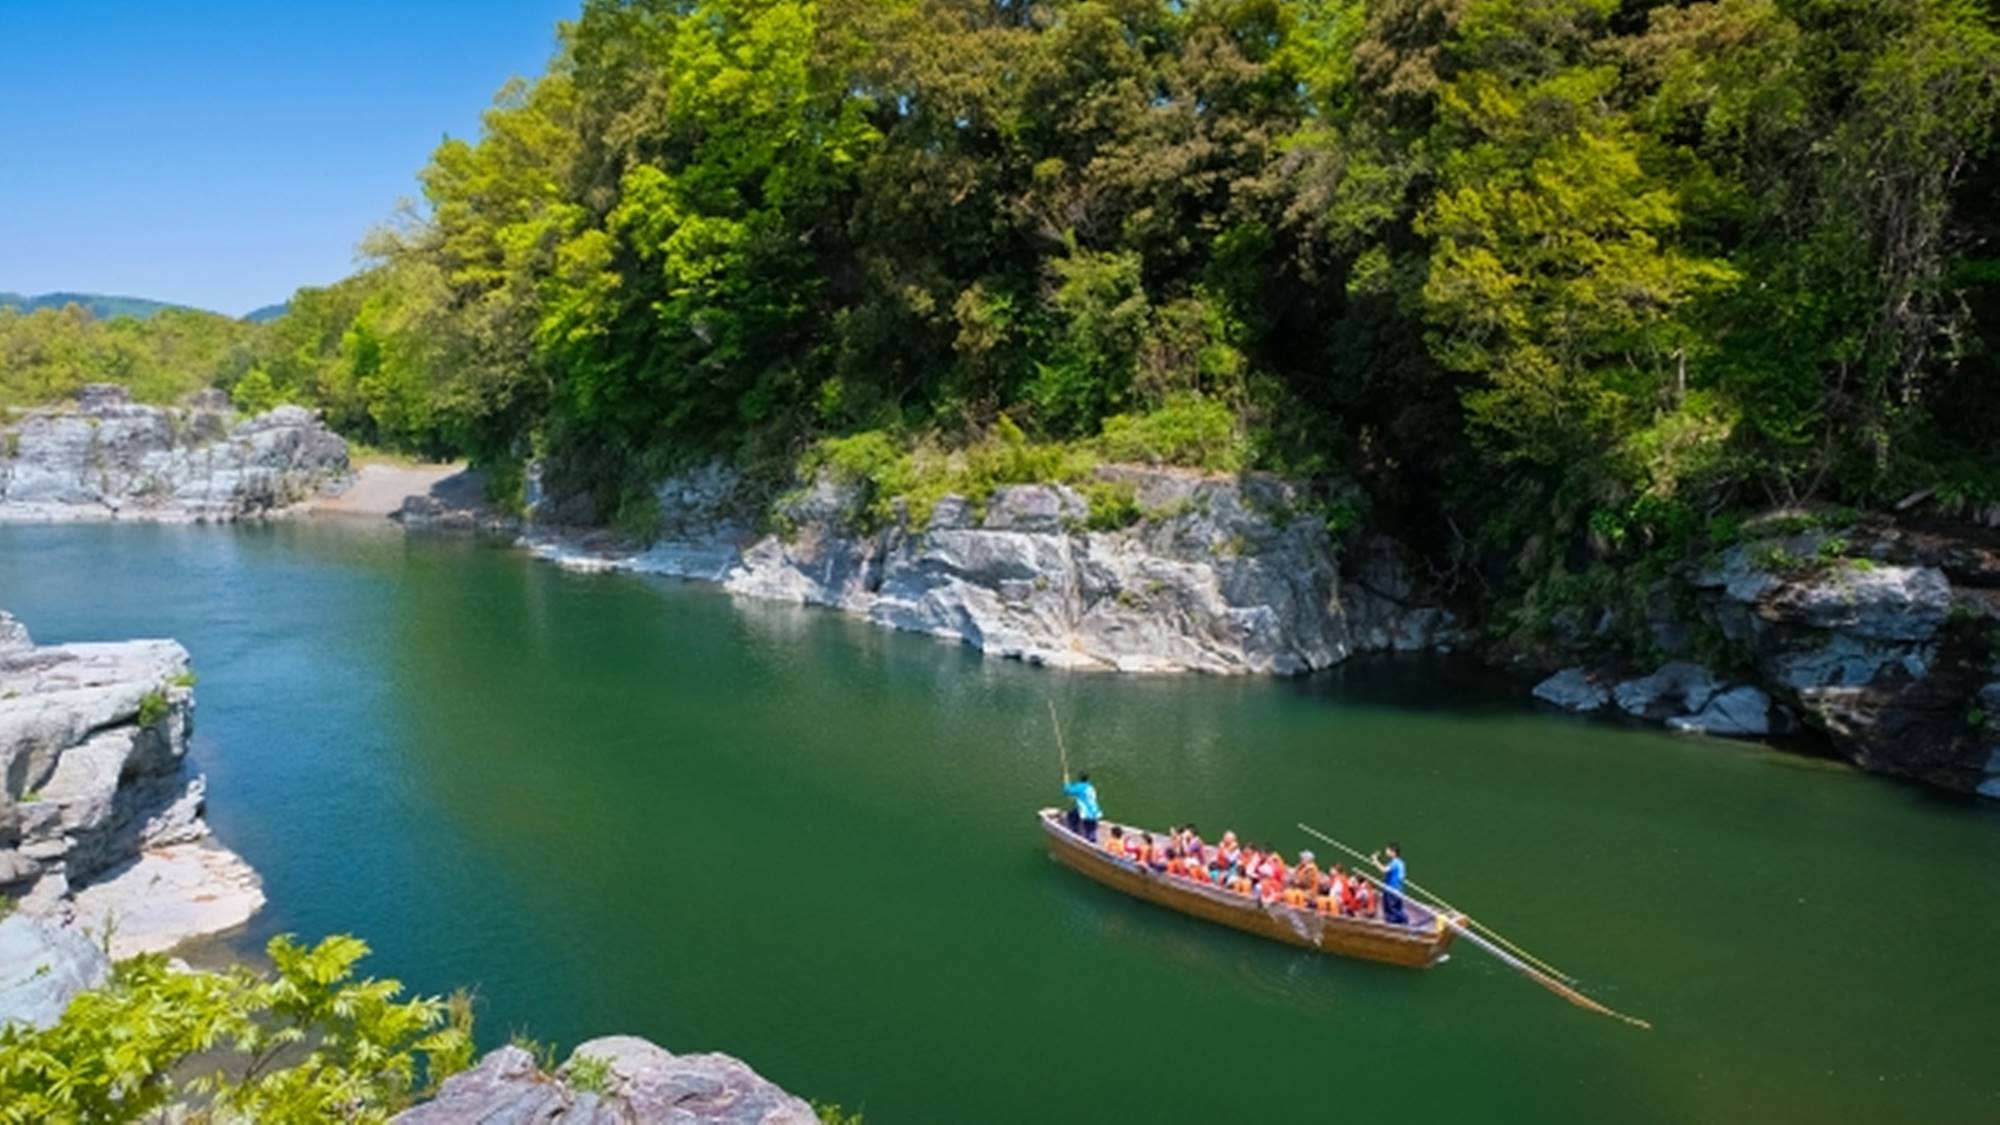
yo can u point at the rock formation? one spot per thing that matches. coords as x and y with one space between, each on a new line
42 966
100 821
1885 638
616 1080
1220 574
110 458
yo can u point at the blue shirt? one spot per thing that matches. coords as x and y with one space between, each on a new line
1392 875
1086 799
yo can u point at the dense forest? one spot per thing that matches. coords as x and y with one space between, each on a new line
1542 277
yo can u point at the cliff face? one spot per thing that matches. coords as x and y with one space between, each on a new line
1885 638
100 820
110 458
1220 575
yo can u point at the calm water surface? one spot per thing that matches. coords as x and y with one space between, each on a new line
616 804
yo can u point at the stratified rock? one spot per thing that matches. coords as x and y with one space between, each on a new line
1572 689
1676 688
646 1084
1853 631
42 966
113 459
168 895
1738 712
99 815
1226 575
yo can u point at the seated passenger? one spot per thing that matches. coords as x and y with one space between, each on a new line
1227 850
1156 857
1196 850
1295 896
1307 874
1116 843
1364 898
1240 882
1326 904
1175 864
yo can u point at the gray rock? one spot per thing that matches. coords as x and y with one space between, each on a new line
1675 688
1886 603
94 802
13 634
43 966
646 1084
1222 578
1572 689
1742 712
112 459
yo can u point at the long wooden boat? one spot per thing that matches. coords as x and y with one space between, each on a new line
1420 944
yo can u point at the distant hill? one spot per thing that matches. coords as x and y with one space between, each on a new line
268 313
102 307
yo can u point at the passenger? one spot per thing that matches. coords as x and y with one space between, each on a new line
1240 882
1116 844
1228 850
1197 871
1269 890
1364 899
1195 849
1176 866
1275 864
1307 875
1327 903
1251 861
1295 897
1156 857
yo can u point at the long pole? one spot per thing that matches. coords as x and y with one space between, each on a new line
1060 748
1549 978
1497 937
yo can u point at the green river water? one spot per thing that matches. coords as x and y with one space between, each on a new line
620 804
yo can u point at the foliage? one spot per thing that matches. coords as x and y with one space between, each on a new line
152 707
588 1074
1554 282
48 354
306 1043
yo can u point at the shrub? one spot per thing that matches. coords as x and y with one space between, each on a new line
589 1074
1113 504
152 707
1190 429
155 1035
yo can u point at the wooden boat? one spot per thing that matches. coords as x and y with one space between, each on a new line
1420 944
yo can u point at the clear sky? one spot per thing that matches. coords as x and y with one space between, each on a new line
221 153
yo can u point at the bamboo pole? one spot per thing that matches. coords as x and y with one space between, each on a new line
1060 748
1549 978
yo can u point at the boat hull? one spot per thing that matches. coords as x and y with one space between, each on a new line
1419 945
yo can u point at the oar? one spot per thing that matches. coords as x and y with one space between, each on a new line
1549 978
1497 937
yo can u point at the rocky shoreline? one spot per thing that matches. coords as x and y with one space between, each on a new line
108 458
104 848
1221 575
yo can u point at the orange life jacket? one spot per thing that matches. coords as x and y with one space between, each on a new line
1241 884
1364 897
1327 905
1177 866
1295 898
1116 846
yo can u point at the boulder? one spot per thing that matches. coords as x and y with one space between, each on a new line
1739 712
42 966
1676 688
1572 689
639 1084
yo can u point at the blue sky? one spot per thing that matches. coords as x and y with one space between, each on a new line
223 153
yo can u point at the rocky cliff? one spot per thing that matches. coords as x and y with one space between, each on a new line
616 1080
1884 637
110 458
101 822
1218 574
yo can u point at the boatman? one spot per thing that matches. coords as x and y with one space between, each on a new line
1392 884
1084 817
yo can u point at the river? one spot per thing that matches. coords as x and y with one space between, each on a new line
619 804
